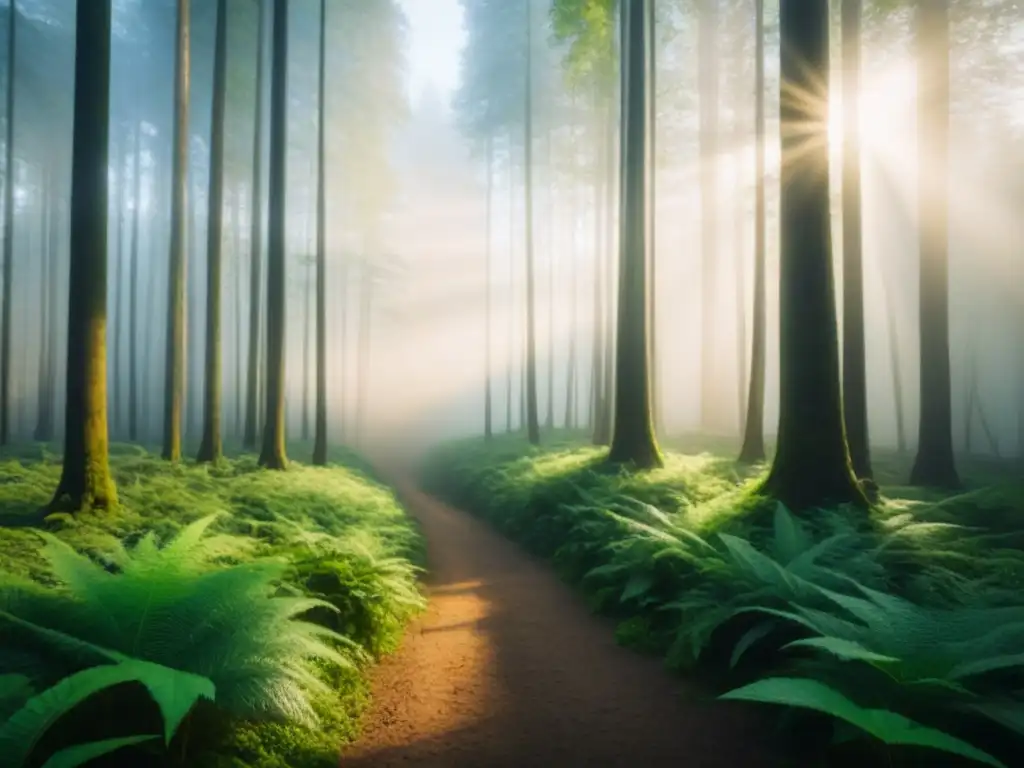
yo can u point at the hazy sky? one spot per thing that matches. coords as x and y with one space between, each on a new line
436 36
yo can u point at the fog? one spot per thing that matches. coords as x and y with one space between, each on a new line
426 223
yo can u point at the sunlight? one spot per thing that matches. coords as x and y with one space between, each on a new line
888 101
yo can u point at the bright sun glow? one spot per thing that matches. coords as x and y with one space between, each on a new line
887 109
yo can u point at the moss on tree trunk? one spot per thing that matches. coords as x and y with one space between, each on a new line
85 481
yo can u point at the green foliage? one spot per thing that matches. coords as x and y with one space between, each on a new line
907 627
174 692
202 573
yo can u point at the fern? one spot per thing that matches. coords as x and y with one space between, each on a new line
230 625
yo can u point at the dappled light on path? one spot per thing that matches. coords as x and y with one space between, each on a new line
509 668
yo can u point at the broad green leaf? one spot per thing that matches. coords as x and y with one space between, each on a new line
80 754
750 637
888 727
174 691
847 650
638 584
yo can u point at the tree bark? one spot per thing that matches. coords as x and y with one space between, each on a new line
117 319
44 405
273 454
488 426
707 75
8 267
752 449
633 441
855 402
85 481
934 465
255 245
532 421
812 467
320 429
133 292
174 372
211 448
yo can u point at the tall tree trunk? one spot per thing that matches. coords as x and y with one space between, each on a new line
8 268
236 226
633 440
320 437
532 422
896 366
174 372
652 213
601 428
571 376
707 74
855 400
363 348
307 300
193 287
934 465
85 481
511 290
812 467
752 449
611 225
133 290
44 412
488 427
48 393
272 454
211 447
117 316
255 244
739 209
549 415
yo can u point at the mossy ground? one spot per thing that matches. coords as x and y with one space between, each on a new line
266 514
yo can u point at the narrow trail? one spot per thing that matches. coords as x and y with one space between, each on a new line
508 668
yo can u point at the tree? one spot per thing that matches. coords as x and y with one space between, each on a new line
707 74
174 362
320 427
532 419
272 454
8 268
812 462
488 427
752 449
855 401
133 292
633 440
211 449
255 239
85 481
934 464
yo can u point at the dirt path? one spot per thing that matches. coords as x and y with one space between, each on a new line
508 669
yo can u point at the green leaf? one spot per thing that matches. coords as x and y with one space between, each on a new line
750 637
638 584
80 754
847 650
174 691
981 666
21 732
888 727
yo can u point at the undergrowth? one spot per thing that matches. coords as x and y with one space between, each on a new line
220 616
905 633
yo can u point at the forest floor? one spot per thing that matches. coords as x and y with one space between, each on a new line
508 667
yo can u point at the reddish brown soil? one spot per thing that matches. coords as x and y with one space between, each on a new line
507 668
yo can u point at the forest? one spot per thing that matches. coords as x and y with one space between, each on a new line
511 383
